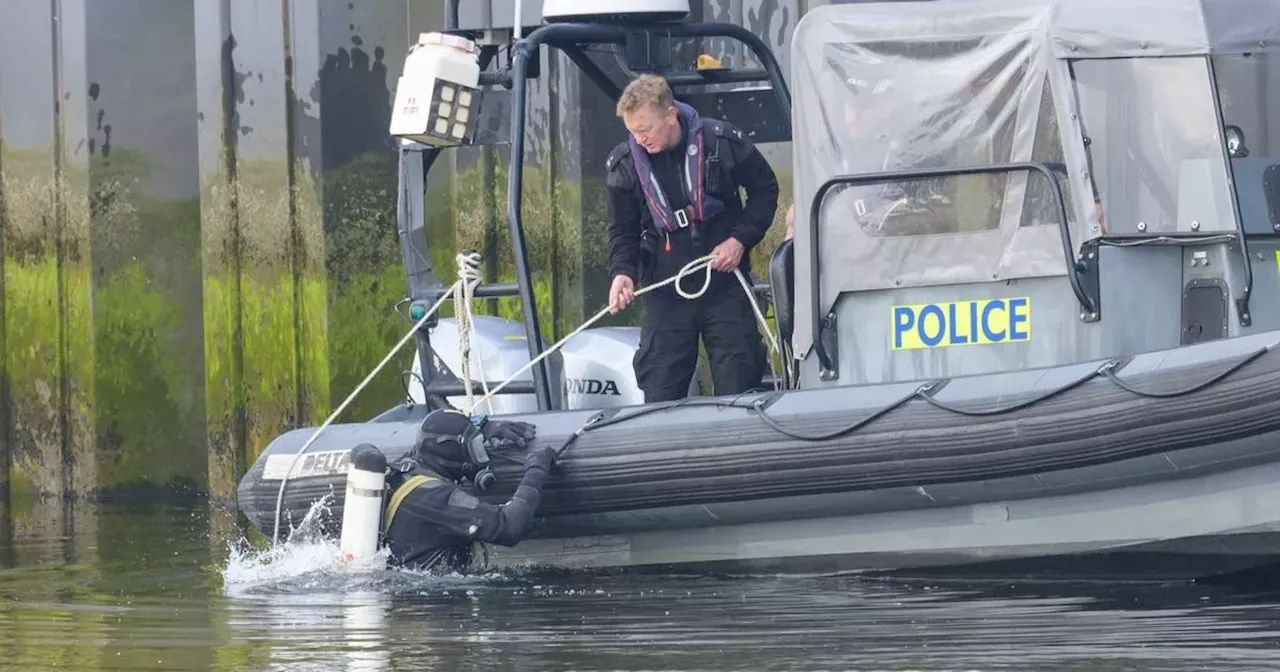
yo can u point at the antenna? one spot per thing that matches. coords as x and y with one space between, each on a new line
519 15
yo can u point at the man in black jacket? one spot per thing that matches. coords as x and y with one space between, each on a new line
672 198
431 522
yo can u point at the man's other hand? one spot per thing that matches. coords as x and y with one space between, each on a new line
727 254
621 294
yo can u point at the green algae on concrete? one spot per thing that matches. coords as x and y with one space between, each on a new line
363 328
223 361
141 385
33 321
146 329
267 303
110 348
366 279
310 297
76 310
5 430
22 494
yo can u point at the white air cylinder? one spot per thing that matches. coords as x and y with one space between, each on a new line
435 101
362 508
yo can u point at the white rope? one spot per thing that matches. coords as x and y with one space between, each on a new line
275 532
703 264
463 294
755 307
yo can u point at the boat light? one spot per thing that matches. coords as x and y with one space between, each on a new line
438 92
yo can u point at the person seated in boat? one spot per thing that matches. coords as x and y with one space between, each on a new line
431 521
672 193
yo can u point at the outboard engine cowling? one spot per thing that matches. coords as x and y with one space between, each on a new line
598 370
498 349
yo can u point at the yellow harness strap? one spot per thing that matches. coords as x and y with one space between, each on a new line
412 483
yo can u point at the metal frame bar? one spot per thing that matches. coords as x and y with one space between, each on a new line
1087 302
457 389
593 72
1242 301
451 14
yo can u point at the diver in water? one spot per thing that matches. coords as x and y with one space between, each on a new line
431 522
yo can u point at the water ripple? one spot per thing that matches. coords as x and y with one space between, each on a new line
163 591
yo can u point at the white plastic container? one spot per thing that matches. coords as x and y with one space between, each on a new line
437 115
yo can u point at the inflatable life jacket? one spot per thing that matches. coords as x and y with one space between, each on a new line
702 205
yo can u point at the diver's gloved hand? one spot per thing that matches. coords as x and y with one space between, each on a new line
518 434
543 457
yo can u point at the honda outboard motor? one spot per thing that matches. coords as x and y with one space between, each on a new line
498 349
598 371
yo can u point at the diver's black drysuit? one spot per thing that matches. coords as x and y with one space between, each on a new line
650 253
431 522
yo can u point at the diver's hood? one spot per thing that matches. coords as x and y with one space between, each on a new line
450 443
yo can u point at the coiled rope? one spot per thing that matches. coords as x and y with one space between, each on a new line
463 294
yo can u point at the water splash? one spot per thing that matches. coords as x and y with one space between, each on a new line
306 560
309 561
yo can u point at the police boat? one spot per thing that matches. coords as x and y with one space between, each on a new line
1034 318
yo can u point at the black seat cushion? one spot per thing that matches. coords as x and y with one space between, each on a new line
782 273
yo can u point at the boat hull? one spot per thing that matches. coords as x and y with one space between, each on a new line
1031 464
1156 532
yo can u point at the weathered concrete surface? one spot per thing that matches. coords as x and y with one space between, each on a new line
198 209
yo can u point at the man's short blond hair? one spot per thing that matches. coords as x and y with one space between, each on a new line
650 90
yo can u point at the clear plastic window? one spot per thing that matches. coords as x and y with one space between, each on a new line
1249 91
1155 145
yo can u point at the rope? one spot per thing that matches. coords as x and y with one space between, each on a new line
755 307
699 264
463 294
469 261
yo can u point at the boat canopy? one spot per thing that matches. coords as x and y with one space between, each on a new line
906 86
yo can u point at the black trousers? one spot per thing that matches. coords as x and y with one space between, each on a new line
669 330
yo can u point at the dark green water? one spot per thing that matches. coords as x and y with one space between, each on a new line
126 587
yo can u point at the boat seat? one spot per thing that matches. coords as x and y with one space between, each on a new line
782 285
